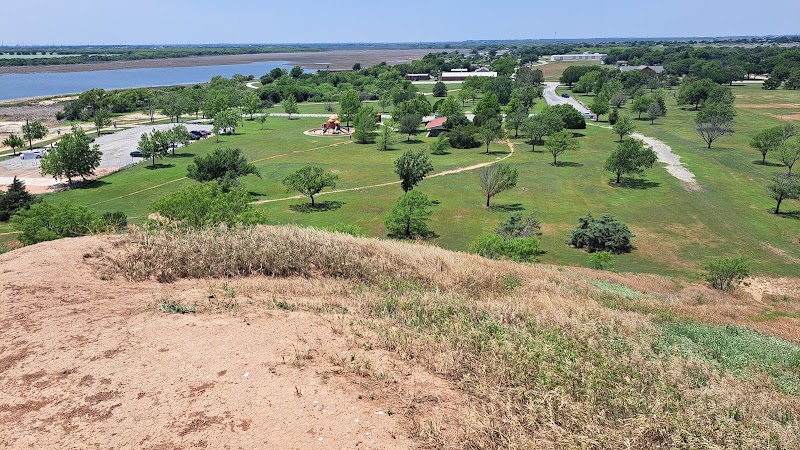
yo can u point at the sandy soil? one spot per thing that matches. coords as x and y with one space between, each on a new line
334 59
88 362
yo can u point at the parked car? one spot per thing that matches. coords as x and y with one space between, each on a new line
565 95
195 135
205 133
588 115
137 154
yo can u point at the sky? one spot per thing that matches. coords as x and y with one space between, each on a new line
81 22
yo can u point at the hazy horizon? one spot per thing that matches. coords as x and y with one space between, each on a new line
204 22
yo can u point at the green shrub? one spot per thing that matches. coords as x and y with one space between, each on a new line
16 198
494 246
174 307
346 228
601 260
601 234
519 226
573 119
116 220
204 205
727 273
48 221
410 216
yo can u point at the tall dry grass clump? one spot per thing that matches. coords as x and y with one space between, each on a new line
167 254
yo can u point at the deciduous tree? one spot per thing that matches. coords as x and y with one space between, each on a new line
412 167
223 165
789 153
33 130
74 156
14 141
364 123
310 181
783 186
410 216
624 127
496 178
408 124
561 142
488 132
714 121
349 106
630 157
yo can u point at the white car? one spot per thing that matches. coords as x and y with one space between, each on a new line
588 115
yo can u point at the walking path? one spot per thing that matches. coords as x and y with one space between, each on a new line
664 152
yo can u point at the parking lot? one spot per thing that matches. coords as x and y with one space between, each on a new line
116 149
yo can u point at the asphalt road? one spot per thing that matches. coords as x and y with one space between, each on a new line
552 98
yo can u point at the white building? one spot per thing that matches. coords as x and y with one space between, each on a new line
462 74
579 57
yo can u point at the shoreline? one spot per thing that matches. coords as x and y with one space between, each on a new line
332 59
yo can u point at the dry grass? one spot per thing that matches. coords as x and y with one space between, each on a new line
166 254
549 358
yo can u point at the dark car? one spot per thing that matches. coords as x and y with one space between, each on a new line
195 135
565 95
137 154
205 133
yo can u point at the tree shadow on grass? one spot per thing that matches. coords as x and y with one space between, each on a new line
568 164
426 236
790 215
412 141
318 207
159 166
766 164
634 183
182 155
91 184
507 207
495 153
578 135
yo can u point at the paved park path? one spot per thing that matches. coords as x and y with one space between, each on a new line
664 152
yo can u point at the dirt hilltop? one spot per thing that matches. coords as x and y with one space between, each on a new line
363 344
91 363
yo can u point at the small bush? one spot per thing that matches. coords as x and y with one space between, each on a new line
463 136
494 246
519 226
601 260
346 228
48 221
115 221
205 205
174 307
727 273
601 234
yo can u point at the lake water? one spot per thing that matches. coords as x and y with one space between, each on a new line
23 85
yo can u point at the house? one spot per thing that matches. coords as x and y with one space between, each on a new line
647 70
436 126
463 74
418 77
579 57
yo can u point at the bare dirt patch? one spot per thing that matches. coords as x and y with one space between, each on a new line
114 372
788 116
768 105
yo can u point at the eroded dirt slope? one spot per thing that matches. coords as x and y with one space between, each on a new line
89 362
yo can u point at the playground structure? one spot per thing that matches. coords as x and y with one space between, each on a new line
332 127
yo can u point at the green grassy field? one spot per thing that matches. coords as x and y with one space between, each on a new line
733 213
677 231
